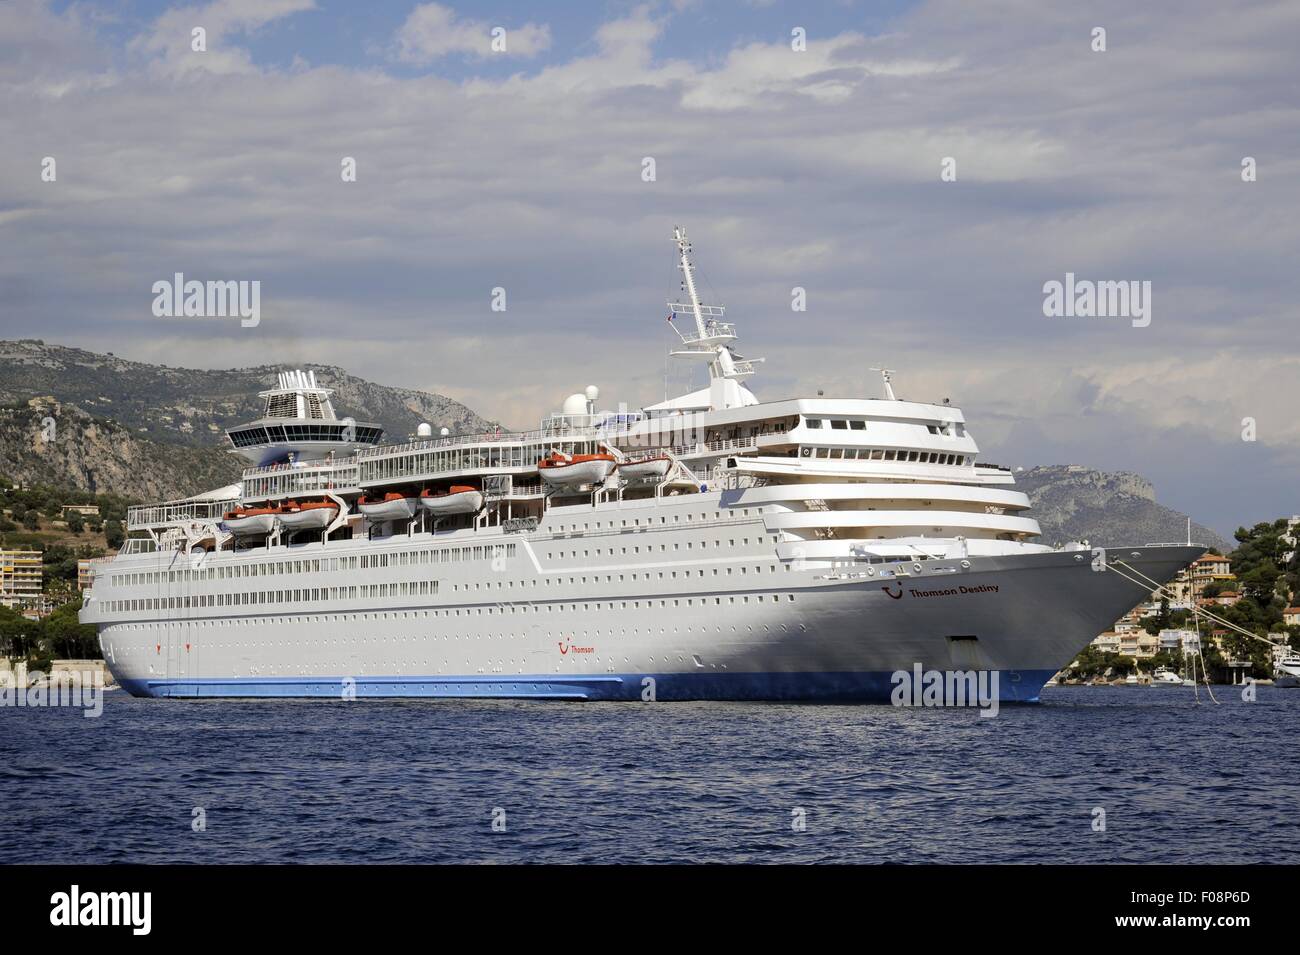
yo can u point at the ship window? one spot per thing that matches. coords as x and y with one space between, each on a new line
813 422
858 425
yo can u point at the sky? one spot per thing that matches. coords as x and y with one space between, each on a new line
820 168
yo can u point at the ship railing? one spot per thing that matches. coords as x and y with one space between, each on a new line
713 331
338 465
304 480
156 515
717 445
572 432
135 545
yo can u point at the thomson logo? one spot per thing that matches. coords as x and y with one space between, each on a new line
193 299
1087 299
103 908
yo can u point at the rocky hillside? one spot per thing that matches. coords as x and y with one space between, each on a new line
193 408
45 441
153 432
1076 503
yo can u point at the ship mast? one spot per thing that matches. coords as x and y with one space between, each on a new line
688 271
712 338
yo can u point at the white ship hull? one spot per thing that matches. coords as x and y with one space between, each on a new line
734 621
843 540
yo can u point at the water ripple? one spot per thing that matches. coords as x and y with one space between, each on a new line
290 781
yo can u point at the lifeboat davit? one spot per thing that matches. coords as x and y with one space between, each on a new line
460 499
308 515
390 507
250 521
575 470
655 468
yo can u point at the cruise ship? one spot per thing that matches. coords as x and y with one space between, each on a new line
710 546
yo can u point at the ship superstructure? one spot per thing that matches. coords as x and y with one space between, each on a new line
708 546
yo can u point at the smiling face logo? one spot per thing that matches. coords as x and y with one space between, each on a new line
896 596
564 647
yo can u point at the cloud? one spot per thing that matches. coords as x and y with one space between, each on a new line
817 169
169 42
433 31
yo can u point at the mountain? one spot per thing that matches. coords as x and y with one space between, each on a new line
193 408
156 432
45 441
1076 503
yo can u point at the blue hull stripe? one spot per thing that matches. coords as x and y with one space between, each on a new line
1014 686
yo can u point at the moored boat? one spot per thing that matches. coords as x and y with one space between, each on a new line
1286 671
459 499
1165 677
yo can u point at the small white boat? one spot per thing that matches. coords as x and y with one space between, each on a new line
308 515
1165 677
250 521
1286 672
646 469
575 470
460 499
1131 680
390 507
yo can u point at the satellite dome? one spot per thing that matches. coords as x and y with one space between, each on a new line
592 392
425 430
575 404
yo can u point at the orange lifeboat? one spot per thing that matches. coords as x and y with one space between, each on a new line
575 470
250 521
390 507
308 515
459 499
652 468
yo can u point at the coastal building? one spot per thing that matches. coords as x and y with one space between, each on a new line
1291 617
85 510
1225 599
37 608
20 577
84 576
1107 642
1289 538
1186 640
1212 568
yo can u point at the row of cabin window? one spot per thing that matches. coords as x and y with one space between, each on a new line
412 558
649 521
650 548
615 578
877 454
406 588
